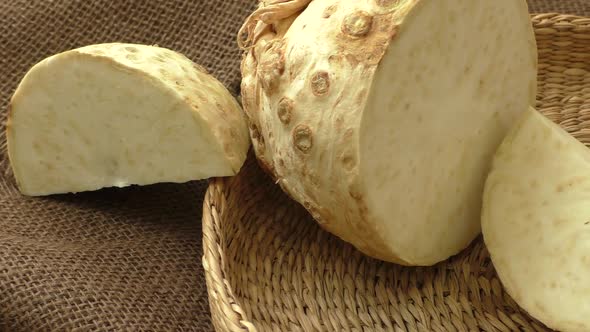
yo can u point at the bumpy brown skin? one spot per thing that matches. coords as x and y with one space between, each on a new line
307 73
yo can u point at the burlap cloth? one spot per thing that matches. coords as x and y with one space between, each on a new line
116 259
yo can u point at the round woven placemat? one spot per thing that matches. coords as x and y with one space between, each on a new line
269 267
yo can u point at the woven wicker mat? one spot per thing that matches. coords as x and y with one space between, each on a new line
115 259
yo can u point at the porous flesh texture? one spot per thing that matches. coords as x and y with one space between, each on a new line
536 222
382 117
113 115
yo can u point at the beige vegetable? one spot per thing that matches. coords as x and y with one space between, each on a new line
121 114
381 117
536 222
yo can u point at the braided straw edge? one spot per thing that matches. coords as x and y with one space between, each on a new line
227 313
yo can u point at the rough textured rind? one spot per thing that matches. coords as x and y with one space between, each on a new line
186 86
536 222
307 75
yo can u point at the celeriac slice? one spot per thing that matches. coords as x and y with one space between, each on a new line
536 222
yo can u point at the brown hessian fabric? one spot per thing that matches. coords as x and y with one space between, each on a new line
116 259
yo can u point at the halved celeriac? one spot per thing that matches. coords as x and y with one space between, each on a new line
382 117
120 114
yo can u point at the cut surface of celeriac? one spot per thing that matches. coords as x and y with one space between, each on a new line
113 115
536 222
382 117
